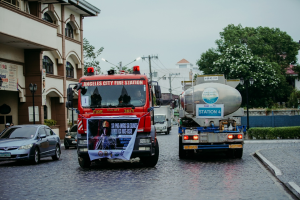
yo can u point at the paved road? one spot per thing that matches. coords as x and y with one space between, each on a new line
203 177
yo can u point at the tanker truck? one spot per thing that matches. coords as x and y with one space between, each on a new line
210 117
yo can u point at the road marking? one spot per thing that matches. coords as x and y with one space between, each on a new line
273 167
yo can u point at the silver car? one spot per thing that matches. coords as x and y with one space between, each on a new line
29 142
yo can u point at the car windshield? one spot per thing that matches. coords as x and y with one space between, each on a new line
19 132
159 118
113 96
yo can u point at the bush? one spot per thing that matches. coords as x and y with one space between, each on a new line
50 122
292 132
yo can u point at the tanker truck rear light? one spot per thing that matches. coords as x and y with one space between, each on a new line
240 136
186 137
230 136
195 137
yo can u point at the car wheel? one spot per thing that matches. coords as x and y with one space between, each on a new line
57 153
84 162
66 147
151 161
36 157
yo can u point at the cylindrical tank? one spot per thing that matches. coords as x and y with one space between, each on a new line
211 93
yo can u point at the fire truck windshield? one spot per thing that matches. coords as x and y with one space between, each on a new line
110 96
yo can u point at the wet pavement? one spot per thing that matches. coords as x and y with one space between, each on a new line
209 176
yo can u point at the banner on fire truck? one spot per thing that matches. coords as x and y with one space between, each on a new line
111 137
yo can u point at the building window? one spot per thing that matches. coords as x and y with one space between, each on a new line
15 3
182 66
69 31
48 65
47 18
70 70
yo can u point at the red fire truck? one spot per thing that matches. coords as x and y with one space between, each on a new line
111 101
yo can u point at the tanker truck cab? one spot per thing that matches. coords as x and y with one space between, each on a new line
115 118
210 117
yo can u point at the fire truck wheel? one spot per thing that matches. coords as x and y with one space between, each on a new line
152 160
182 153
84 162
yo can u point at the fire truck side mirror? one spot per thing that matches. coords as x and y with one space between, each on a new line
70 94
157 91
78 86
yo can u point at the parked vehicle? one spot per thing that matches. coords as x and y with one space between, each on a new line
211 117
162 119
29 142
70 139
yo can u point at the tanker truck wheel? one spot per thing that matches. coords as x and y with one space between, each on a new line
151 161
84 162
238 153
182 153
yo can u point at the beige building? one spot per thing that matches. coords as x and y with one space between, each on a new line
41 42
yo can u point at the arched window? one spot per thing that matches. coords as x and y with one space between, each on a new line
69 30
47 18
48 65
70 70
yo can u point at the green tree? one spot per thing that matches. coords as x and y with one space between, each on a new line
262 53
293 99
90 56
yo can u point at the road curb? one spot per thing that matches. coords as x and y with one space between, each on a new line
293 187
272 167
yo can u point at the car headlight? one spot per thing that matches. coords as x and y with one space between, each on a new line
68 136
28 146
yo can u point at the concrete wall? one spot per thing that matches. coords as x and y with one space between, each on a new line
11 53
23 28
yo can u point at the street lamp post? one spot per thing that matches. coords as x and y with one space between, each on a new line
242 81
1 81
33 88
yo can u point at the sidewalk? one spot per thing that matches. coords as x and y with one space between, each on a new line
284 163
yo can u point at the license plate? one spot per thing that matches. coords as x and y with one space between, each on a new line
5 155
190 147
235 146
74 142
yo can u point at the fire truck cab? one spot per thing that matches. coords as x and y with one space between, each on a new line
115 95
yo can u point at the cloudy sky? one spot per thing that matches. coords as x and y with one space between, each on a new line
177 29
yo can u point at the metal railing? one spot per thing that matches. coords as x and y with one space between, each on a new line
15 3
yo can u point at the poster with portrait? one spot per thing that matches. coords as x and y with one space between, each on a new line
8 73
111 137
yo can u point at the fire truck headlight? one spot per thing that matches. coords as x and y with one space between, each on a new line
82 141
145 141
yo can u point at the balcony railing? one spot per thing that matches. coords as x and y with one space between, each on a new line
15 3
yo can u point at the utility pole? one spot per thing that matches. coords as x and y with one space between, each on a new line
170 76
170 87
150 57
